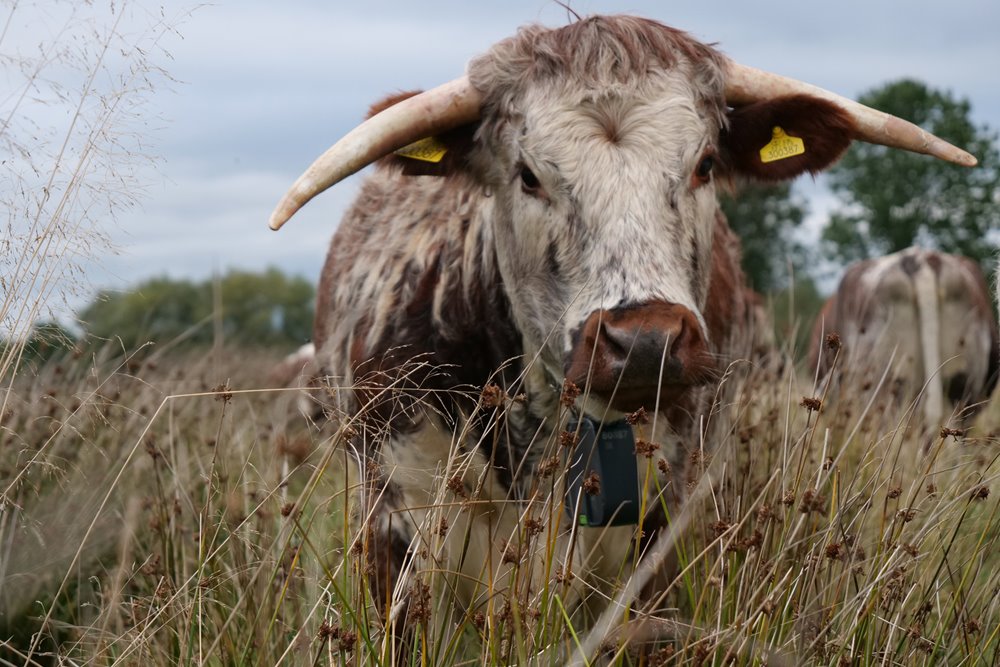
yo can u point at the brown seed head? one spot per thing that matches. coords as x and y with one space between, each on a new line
833 341
637 417
328 631
493 396
719 527
511 553
419 608
222 392
347 640
592 484
533 526
568 439
646 448
564 575
570 393
811 404
764 512
548 466
812 501
456 485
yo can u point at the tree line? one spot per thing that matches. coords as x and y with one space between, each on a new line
240 308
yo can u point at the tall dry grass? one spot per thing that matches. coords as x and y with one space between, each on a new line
179 512
76 129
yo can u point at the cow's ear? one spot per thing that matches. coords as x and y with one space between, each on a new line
439 155
779 139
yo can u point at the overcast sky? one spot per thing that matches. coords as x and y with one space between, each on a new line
265 86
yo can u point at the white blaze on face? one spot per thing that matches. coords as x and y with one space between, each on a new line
617 218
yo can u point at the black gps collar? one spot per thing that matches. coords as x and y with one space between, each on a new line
602 486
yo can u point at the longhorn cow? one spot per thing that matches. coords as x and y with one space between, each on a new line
567 250
922 318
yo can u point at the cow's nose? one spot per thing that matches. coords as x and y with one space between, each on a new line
627 356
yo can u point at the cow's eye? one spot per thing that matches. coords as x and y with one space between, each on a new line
705 167
529 182
703 171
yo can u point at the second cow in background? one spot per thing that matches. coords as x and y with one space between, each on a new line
927 317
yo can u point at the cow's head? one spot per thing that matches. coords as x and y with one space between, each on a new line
601 144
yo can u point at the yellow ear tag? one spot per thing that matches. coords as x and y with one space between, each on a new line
426 150
781 146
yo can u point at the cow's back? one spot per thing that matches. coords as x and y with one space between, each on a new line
922 320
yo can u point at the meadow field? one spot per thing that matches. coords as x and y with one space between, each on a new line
164 509
172 504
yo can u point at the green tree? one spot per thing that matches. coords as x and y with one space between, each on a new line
254 309
160 310
794 310
894 199
266 309
765 218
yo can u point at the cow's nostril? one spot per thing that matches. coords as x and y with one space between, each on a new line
619 342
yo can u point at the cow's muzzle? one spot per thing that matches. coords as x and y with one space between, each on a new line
630 356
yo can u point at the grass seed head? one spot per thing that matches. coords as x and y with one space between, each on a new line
663 467
637 417
811 404
546 467
493 396
456 485
222 392
568 439
592 484
646 448
570 392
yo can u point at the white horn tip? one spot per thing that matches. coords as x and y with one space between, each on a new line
967 160
282 213
945 151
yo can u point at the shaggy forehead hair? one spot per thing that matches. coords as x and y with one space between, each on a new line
597 53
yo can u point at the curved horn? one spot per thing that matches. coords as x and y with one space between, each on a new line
440 109
748 84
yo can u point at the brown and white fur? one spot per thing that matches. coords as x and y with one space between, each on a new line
572 232
925 316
